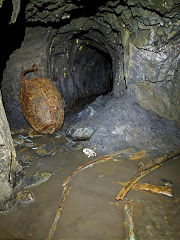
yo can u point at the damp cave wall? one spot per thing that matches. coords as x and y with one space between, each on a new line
135 44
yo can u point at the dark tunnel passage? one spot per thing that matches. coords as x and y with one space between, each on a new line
93 68
85 73
13 34
91 74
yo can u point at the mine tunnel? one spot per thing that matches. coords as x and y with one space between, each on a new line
88 72
90 119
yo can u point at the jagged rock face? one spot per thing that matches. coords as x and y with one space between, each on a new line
9 167
57 10
94 47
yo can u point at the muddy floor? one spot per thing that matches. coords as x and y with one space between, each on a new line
90 210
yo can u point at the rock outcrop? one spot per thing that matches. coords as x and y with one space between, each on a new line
9 167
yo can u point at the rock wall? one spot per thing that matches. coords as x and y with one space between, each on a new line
151 63
84 59
33 50
150 37
9 167
136 43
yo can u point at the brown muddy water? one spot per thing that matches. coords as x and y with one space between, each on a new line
90 211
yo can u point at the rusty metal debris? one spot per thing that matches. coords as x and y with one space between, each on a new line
66 186
121 195
41 103
132 183
164 190
129 223
164 158
144 171
137 155
58 213
154 189
97 160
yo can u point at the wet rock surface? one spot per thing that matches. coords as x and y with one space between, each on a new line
81 133
37 179
45 150
24 197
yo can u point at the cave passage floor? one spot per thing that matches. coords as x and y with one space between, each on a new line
90 210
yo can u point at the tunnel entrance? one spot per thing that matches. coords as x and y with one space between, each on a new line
84 71
92 74
93 69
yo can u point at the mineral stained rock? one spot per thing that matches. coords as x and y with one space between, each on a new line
41 104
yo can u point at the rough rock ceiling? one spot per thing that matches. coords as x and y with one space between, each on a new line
56 11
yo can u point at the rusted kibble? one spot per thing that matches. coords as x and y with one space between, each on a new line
41 103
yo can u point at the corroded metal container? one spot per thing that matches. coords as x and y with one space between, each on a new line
41 103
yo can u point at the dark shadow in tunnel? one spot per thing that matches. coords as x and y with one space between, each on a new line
92 74
12 35
94 70
89 8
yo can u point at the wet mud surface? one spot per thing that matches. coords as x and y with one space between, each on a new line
90 210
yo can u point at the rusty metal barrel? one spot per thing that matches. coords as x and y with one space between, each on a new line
41 103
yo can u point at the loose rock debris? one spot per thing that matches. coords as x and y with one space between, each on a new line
45 150
37 179
25 197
